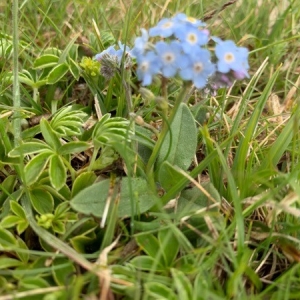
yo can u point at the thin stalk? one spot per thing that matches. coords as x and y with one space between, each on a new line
16 85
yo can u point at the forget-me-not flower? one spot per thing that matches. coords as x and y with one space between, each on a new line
199 68
148 66
191 37
140 44
231 57
171 57
164 28
185 19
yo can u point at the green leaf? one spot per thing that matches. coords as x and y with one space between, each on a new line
83 181
49 135
6 239
42 201
240 159
149 243
147 263
92 200
31 283
169 245
58 226
181 149
7 262
282 142
66 275
74 69
57 172
57 73
182 284
159 291
23 255
194 199
17 209
45 61
68 121
10 221
109 130
29 148
36 166
73 147
7 187
169 175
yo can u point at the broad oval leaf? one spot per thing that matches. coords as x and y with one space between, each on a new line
181 148
92 200
57 172
42 201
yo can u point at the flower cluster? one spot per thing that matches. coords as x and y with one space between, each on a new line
111 60
182 50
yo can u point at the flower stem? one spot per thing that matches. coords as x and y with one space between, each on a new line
16 84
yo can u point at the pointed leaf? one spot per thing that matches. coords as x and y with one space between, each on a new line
169 175
57 73
74 69
36 166
49 135
148 263
182 284
29 148
17 209
169 245
73 147
159 291
149 243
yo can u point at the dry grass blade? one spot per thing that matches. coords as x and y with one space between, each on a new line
32 293
105 279
211 14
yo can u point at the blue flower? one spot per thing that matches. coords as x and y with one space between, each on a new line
231 57
113 53
164 28
185 19
140 44
171 57
191 37
110 51
199 69
148 66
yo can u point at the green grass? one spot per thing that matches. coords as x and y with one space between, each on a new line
226 227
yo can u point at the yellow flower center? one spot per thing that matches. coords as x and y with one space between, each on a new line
198 67
167 25
192 38
229 57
